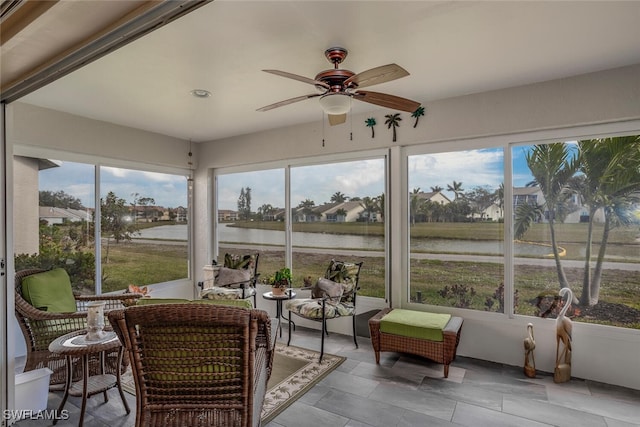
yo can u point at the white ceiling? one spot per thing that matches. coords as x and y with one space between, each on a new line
451 48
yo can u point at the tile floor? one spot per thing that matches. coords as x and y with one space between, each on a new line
409 391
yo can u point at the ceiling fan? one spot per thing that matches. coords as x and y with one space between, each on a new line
338 86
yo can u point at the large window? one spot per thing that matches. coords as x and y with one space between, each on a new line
338 212
53 218
579 202
144 227
251 217
335 209
143 223
456 221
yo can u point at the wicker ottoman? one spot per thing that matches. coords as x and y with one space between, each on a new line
439 351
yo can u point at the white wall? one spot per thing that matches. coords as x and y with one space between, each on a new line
568 107
606 102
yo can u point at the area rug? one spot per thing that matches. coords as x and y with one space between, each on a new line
295 371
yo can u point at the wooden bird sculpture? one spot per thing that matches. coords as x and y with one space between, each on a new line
529 346
564 326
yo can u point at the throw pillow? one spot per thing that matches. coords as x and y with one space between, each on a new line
232 277
329 289
50 291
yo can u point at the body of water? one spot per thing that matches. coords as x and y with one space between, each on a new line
326 240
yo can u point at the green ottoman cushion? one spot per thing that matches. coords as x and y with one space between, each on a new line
415 324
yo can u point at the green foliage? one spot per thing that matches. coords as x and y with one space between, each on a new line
281 279
460 296
115 219
59 199
79 265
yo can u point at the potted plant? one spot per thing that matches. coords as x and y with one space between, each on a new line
280 281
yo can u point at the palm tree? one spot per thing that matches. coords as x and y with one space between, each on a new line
393 120
414 205
370 206
417 114
436 189
498 198
264 210
552 166
338 197
611 182
380 205
456 188
371 122
306 207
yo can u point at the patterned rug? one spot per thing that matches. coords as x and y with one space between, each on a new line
295 371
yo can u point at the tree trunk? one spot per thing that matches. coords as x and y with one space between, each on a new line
394 134
562 278
597 273
585 298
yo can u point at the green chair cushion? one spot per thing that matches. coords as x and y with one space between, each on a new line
415 324
50 291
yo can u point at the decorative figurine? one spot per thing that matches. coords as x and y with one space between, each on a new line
562 372
529 346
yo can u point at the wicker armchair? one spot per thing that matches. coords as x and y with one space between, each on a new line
333 297
197 364
41 327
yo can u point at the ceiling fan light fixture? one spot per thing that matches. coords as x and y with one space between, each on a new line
335 103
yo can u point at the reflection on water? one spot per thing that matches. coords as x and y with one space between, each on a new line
325 240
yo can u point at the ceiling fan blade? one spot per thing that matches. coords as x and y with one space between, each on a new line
374 76
386 100
297 77
288 101
337 119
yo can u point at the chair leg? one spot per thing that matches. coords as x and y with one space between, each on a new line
289 340
322 332
355 339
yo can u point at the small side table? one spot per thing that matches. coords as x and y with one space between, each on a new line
73 345
288 294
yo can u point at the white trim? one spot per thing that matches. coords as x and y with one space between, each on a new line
41 152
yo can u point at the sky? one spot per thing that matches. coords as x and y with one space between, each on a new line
77 179
360 178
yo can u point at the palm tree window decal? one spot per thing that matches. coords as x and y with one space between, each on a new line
417 114
371 122
393 121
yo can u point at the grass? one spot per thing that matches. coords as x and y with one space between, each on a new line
140 264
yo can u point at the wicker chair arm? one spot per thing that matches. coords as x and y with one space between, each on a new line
112 301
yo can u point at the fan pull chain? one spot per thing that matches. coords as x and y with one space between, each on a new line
323 129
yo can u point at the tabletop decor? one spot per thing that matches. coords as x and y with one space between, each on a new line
280 281
95 321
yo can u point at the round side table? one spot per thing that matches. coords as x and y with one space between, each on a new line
74 346
288 294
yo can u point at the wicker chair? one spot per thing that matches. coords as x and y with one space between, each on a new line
197 364
40 328
323 306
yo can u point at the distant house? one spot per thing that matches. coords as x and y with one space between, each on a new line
533 196
343 212
433 196
227 215
52 215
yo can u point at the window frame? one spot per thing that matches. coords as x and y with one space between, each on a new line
507 142
98 162
287 165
